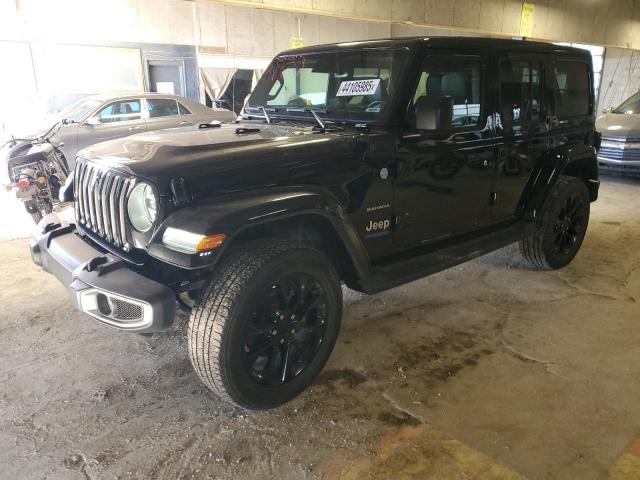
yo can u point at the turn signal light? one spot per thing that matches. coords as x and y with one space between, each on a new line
189 242
210 242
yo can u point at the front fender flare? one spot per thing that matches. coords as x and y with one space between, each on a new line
234 214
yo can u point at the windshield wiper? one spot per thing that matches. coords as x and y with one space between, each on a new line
321 123
263 110
266 115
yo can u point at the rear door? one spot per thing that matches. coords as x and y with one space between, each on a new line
522 132
118 119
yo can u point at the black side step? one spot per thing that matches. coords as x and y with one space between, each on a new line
391 275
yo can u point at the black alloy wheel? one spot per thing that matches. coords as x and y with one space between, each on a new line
569 225
286 329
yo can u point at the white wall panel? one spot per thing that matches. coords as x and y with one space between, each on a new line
212 24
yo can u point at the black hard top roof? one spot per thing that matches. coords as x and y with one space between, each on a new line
453 42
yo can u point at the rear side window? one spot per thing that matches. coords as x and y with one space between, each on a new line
520 92
162 107
572 93
183 110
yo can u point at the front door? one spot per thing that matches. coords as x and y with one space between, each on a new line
444 176
522 133
117 119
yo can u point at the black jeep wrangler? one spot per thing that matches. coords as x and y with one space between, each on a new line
370 163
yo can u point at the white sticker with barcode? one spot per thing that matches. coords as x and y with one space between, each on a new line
358 87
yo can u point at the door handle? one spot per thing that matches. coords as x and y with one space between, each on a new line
184 122
135 128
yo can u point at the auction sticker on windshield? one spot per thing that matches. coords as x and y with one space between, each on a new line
358 87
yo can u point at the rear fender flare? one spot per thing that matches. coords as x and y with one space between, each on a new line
575 158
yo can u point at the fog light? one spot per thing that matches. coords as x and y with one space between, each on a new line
103 304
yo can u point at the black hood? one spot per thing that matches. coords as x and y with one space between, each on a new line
231 157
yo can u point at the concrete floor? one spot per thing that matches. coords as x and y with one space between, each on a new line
488 370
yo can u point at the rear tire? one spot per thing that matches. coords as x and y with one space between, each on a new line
266 323
562 226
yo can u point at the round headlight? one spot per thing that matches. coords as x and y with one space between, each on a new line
142 207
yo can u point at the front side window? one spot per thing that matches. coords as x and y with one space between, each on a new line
520 92
456 80
162 107
572 92
349 85
120 111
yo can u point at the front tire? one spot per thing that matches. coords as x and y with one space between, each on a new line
562 227
266 323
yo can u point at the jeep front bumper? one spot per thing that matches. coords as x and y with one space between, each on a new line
101 284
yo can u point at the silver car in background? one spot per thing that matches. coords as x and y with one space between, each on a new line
105 117
620 129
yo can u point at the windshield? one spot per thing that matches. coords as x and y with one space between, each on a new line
77 111
630 106
350 85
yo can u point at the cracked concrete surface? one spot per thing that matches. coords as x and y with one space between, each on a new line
487 370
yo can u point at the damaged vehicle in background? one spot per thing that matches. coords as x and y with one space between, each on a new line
37 165
37 170
620 146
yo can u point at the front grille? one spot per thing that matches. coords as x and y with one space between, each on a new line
622 139
620 154
620 168
101 202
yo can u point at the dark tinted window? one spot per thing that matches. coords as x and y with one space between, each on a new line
572 89
183 110
457 78
162 107
520 92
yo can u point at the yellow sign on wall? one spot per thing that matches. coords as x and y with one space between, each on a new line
296 42
526 19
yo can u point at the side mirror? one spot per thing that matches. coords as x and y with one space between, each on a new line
93 121
434 112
